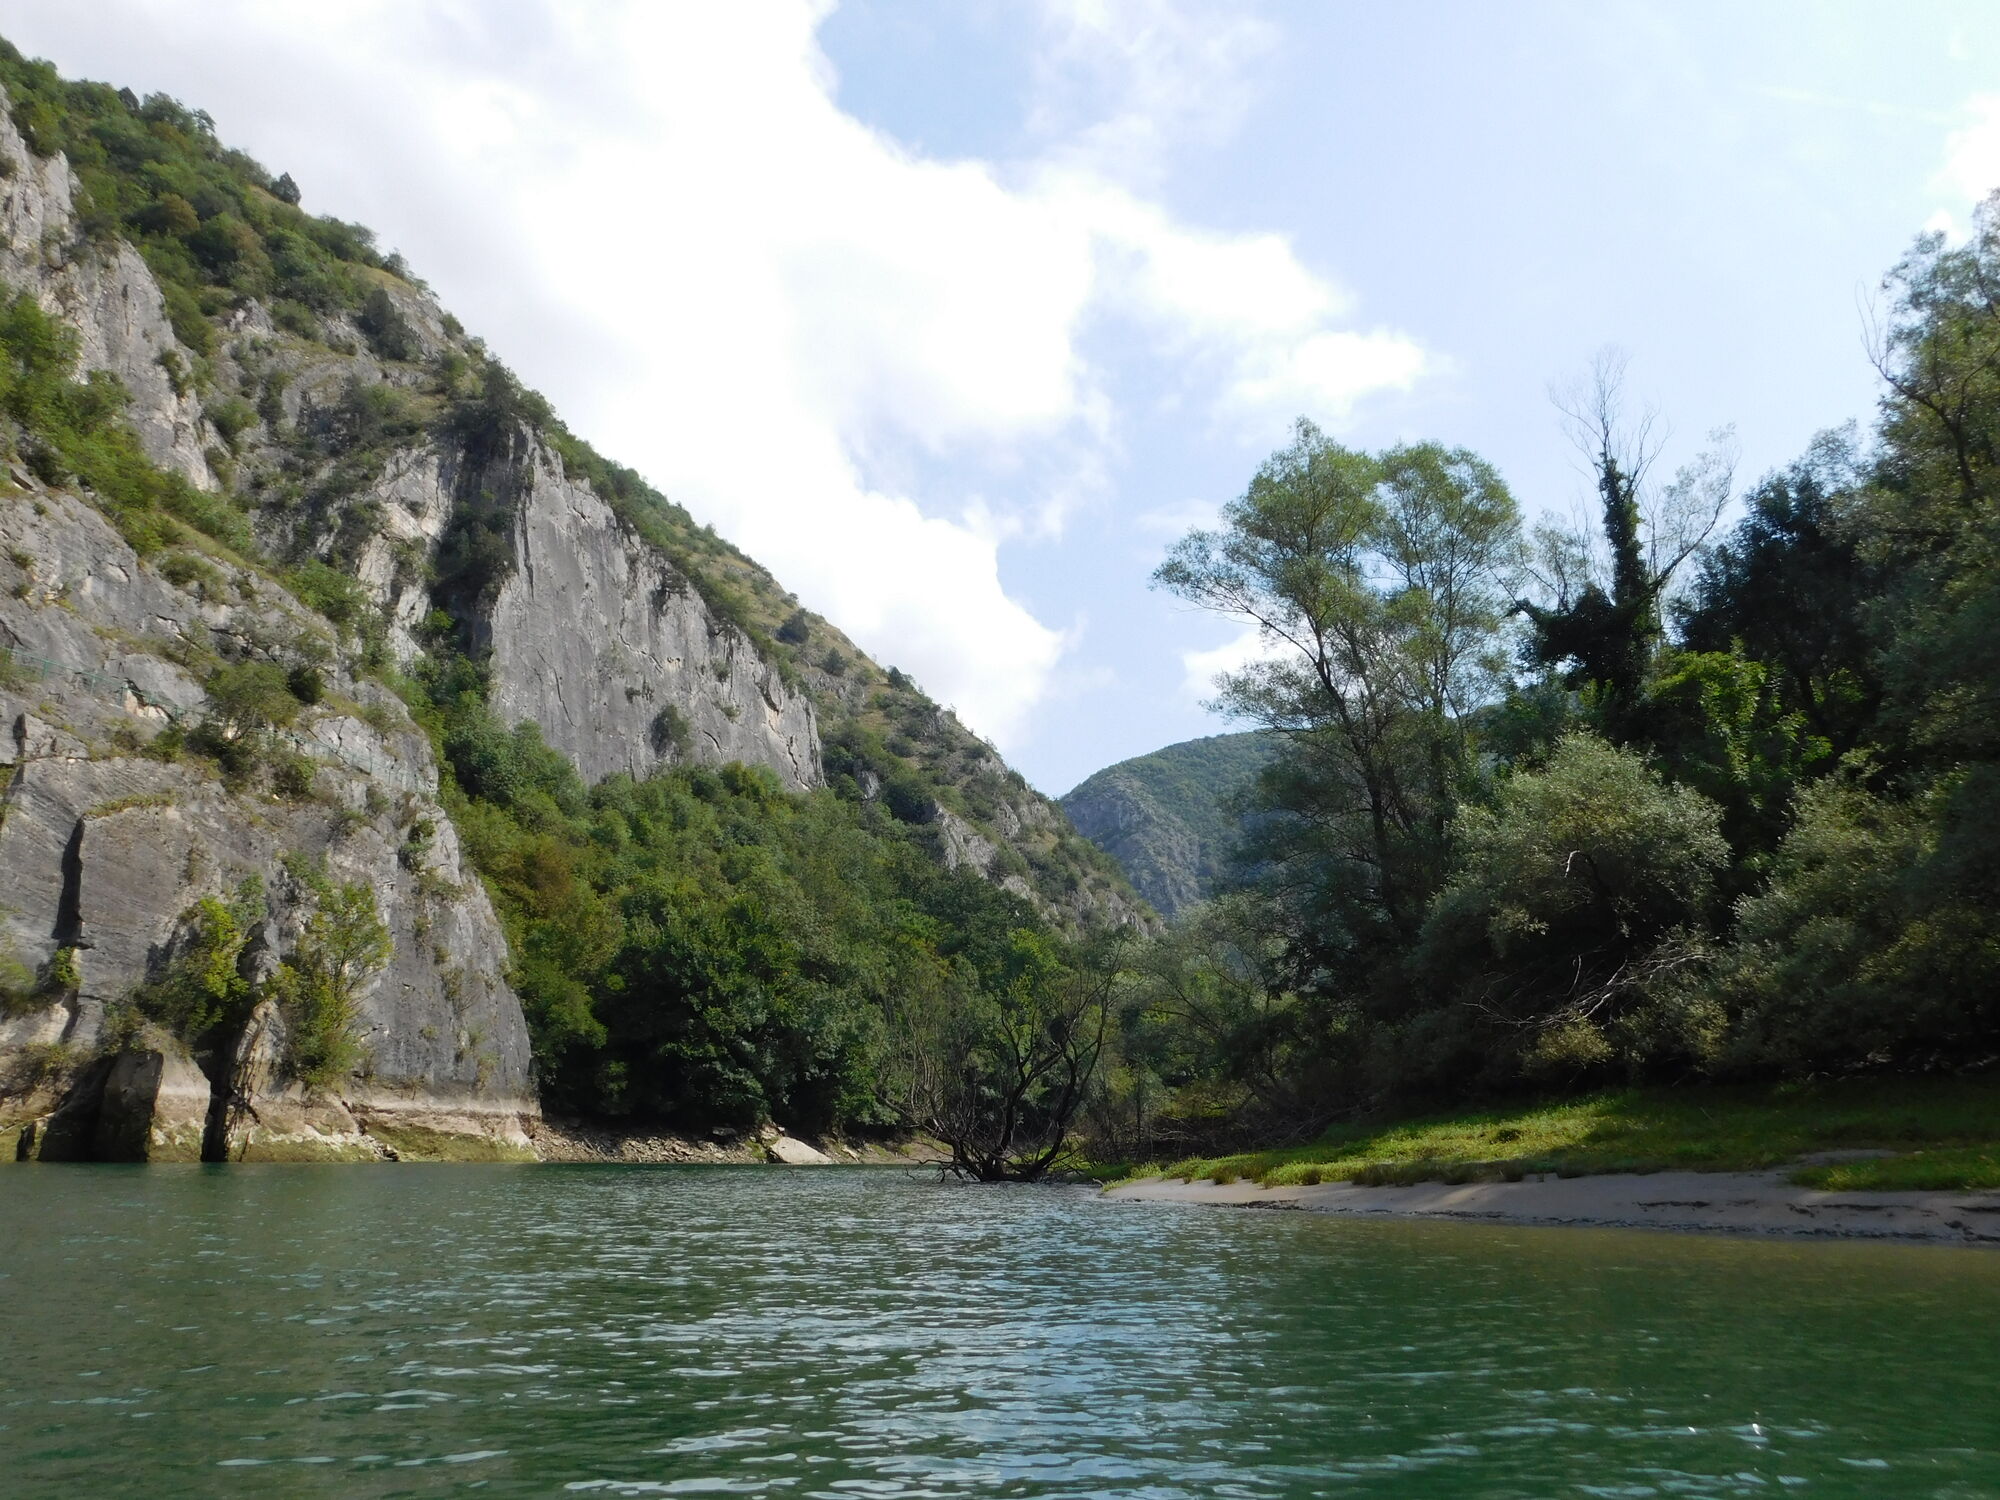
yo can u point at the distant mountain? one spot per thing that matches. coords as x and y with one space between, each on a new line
1168 817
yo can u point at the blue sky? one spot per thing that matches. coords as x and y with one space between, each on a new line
955 315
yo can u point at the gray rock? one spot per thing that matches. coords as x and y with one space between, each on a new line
792 1152
155 1103
595 637
105 852
108 296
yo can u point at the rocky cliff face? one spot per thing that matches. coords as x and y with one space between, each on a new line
594 638
633 638
589 633
106 845
597 639
107 296
105 848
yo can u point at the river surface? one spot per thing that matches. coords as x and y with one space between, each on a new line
869 1333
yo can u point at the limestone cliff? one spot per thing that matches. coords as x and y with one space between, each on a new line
108 296
602 643
107 844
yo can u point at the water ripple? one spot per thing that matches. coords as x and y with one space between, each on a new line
847 1333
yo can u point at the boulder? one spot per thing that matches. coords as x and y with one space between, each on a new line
791 1152
155 1103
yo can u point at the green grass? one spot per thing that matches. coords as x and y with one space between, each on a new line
1941 1170
1952 1127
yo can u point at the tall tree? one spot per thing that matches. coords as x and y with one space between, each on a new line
1371 578
1790 588
1601 614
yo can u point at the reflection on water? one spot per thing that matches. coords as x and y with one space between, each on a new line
732 1331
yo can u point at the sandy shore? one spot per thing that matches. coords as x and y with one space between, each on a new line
1762 1203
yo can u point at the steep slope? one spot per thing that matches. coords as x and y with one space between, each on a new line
327 479
112 834
327 392
1168 818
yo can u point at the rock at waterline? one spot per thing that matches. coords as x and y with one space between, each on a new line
792 1152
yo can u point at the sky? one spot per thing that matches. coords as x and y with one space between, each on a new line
956 316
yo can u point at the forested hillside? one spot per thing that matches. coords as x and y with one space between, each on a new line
1172 818
721 841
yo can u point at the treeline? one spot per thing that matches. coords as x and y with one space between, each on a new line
1630 801
704 948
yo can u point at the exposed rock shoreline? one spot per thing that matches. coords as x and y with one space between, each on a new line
600 1141
1737 1203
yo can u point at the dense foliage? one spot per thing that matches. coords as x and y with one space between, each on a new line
1728 813
707 949
212 224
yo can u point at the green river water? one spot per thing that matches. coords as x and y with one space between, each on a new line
870 1333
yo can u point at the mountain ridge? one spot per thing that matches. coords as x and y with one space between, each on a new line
1167 816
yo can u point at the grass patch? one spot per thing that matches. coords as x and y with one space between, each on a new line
1921 1171
1951 1125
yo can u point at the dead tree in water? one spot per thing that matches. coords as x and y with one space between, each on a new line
1000 1078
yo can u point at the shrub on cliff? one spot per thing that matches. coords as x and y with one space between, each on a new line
319 987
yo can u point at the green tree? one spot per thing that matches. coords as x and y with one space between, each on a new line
1001 1072
1601 615
1790 588
342 947
1582 893
202 994
1374 580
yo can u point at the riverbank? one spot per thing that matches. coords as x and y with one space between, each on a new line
1740 1203
561 1140
1858 1135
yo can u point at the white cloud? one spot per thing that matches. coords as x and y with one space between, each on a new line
1200 669
1123 83
661 217
1971 167
1325 372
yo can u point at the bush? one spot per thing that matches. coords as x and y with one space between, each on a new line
232 418
305 683
251 696
343 946
190 570
385 328
1579 895
335 596
1864 949
202 993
